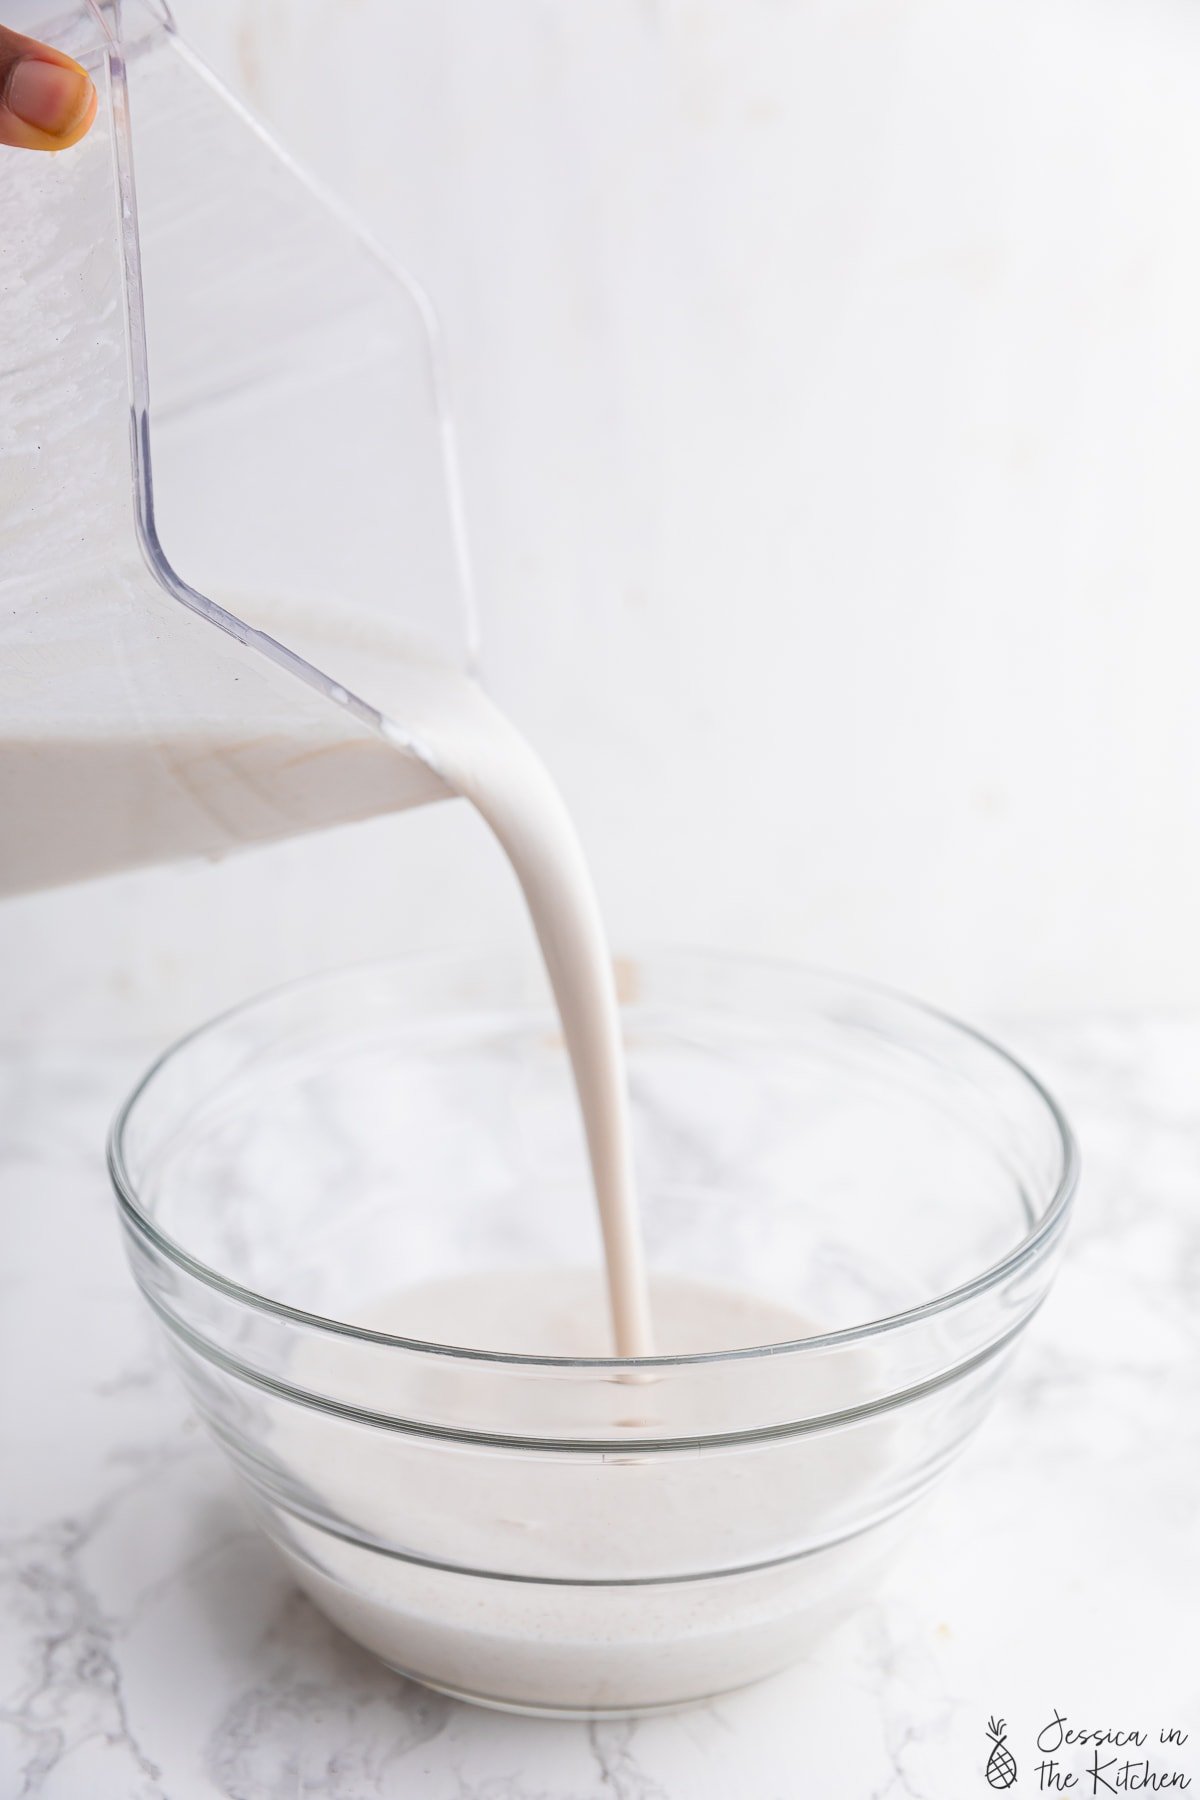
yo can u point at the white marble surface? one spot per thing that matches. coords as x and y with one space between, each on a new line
152 1649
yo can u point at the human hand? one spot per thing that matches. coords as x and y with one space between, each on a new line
47 102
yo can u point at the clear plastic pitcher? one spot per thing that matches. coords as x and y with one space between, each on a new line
227 482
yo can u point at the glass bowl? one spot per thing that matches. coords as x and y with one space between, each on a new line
569 1533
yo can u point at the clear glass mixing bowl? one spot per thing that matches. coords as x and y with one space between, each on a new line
584 1535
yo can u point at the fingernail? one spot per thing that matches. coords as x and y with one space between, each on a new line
48 96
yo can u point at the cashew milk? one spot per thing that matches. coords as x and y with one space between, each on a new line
546 1581
471 746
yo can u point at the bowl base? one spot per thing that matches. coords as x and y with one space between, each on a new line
526 1709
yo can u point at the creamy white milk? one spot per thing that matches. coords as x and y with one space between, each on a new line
470 744
556 1580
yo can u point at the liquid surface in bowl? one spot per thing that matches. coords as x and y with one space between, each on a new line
563 1312
562 1581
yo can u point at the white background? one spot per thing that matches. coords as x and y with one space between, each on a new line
828 374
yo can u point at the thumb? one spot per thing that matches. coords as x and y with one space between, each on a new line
47 101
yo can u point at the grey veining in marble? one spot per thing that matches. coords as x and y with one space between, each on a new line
153 1649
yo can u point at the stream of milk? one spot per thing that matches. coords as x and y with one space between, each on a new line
457 732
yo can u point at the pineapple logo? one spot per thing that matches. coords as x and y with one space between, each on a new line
1001 1764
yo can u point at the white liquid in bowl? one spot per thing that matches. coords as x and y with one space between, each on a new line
553 1580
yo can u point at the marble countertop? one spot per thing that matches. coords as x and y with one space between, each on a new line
152 1648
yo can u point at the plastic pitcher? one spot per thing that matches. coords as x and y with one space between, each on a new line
227 482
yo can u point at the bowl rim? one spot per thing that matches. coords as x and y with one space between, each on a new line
1037 1239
